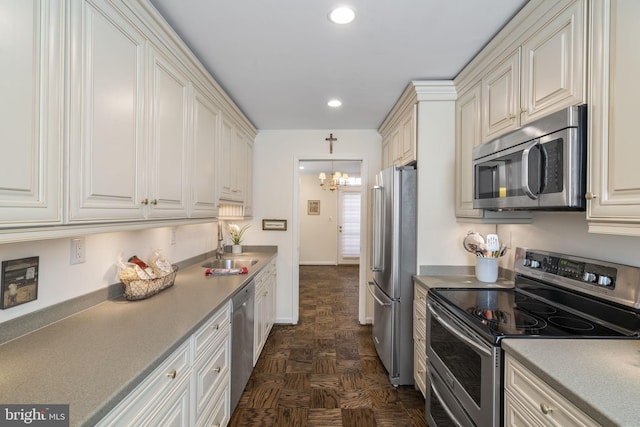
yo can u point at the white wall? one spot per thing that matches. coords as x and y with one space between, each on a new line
277 153
566 232
59 281
318 233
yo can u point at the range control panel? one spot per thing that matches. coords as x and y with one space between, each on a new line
573 268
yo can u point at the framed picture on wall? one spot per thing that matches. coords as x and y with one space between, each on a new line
19 281
313 207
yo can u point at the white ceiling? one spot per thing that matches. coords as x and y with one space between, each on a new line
282 60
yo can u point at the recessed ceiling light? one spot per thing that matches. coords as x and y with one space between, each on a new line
342 15
334 103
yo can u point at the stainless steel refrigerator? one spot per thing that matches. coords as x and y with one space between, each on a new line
393 262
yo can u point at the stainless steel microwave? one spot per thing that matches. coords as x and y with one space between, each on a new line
541 166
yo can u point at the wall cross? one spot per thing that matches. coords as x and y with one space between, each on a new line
331 139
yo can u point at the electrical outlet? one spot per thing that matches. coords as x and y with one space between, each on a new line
174 231
78 251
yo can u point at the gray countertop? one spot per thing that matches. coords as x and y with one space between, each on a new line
93 359
459 281
601 377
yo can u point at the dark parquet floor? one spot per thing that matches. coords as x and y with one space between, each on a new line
324 371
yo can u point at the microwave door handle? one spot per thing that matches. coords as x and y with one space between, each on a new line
457 333
525 170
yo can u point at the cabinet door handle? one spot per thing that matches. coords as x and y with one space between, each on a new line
590 195
172 374
524 110
145 201
154 202
217 370
512 116
546 409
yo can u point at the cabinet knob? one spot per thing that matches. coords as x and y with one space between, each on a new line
217 370
172 374
154 202
590 195
145 201
215 327
524 110
546 409
512 116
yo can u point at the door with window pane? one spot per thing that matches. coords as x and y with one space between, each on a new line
349 225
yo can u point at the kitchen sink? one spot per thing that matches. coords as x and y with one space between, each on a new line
230 263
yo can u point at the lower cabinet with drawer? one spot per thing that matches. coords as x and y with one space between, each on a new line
420 337
529 401
190 388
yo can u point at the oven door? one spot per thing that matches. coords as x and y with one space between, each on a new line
464 366
442 408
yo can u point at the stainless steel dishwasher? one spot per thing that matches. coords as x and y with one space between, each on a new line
242 341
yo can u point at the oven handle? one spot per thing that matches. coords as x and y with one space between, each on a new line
441 400
525 170
457 333
382 303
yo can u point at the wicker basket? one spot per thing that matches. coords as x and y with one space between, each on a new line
140 289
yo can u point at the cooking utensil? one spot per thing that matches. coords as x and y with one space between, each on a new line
493 243
473 242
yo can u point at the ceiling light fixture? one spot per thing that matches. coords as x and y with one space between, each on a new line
342 15
336 179
334 103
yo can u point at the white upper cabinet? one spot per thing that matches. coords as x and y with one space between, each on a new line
554 65
31 123
467 137
399 131
168 154
543 73
613 197
501 95
206 134
106 140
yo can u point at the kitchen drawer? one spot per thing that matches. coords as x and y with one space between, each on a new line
420 367
175 411
516 415
420 294
142 401
209 374
419 322
541 400
213 329
220 413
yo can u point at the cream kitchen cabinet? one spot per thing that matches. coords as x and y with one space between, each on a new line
232 162
106 123
190 388
529 401
248 175
399 131
265 304
420 337
31 125
613 197
544 73
205 152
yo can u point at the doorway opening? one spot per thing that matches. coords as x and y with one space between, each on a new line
331 224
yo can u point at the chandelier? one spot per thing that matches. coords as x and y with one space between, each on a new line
335 180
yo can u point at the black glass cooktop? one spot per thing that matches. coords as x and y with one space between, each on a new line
503 313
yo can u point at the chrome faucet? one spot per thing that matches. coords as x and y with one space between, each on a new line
220 248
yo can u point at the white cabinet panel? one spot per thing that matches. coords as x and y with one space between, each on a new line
168 149
613 204
106 140
206 122
501 97
553 65
31 60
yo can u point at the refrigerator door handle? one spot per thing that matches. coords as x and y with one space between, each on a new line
382 303
377 232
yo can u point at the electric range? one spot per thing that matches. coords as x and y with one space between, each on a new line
554 296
